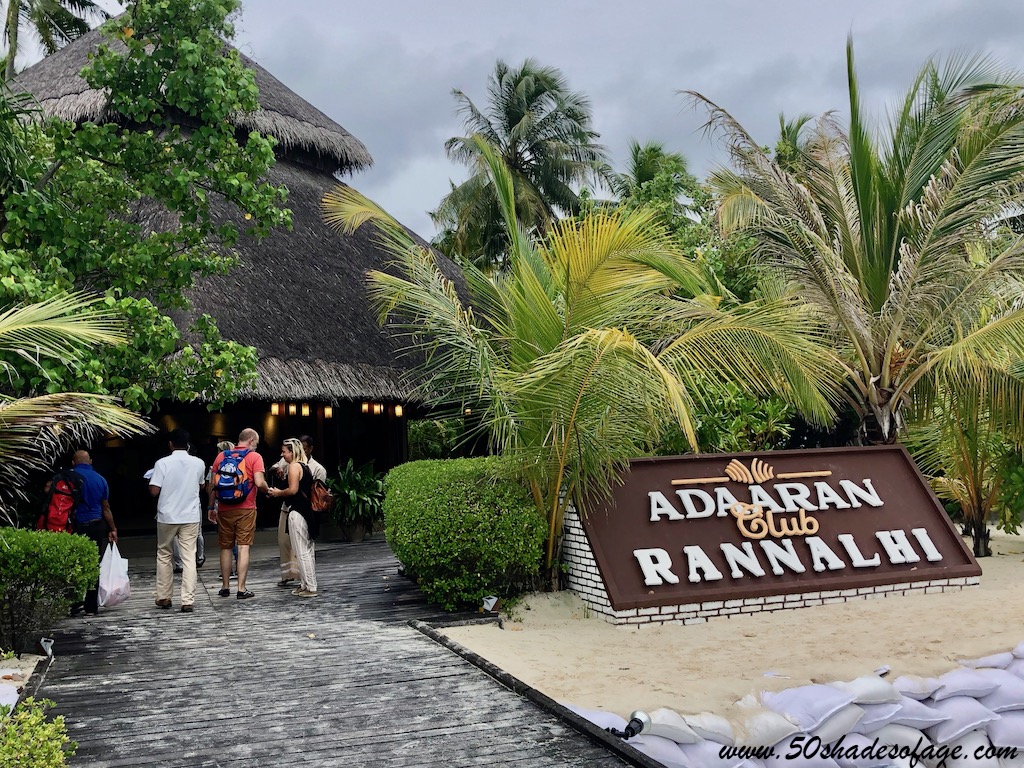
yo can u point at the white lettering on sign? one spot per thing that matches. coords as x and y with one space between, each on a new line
695 503
930 552
662 506
698 561
656 566
741 557
691 496
897 547
822 556
857 560
782 553
856 495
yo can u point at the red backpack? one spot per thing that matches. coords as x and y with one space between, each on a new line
60 501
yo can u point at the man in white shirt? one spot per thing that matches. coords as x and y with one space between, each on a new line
177 481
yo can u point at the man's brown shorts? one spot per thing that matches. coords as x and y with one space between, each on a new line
236 525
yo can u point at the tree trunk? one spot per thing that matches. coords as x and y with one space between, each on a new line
980 536
11 29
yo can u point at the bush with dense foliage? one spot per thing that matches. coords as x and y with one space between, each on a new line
28 738
464 528
42 574
434 438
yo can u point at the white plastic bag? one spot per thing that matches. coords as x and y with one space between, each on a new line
114 585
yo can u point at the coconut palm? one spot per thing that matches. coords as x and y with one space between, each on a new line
542 132
54 22
646 162
881 232
34 430
577 357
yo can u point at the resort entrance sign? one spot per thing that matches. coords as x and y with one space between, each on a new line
839 522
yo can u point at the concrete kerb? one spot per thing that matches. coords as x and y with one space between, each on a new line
35 680
567 716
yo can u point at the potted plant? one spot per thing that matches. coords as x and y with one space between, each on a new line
358 499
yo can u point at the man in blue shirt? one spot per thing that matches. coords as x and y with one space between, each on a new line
93 519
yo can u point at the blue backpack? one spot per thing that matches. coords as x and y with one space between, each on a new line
233 481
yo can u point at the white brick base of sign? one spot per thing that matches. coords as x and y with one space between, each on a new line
585 581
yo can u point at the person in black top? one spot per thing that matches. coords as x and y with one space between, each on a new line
303 523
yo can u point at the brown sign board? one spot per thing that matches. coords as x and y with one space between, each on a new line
704 528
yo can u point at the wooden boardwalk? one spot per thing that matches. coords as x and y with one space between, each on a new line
338 680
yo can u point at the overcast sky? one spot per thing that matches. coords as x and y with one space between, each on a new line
385 70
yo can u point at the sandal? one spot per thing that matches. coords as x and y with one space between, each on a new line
285 582
245 595
225 593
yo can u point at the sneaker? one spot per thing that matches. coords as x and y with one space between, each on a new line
305 593
297 590
163 603
234 575
225 592
178 569
285 582
187 608
245 595
200 561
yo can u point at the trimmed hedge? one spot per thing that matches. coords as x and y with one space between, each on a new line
28 738
42 573
464 529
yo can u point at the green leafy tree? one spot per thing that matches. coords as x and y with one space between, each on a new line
542 131
54 22
576 357
33 430
878 231
127 207
967 458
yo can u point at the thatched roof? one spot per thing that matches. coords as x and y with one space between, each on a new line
300 298
304 133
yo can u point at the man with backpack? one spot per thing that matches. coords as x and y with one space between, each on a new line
93 518
238 474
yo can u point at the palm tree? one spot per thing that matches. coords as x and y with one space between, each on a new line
542 132
33 430
791 141
886 234
962 451
54 22
579 354
646 163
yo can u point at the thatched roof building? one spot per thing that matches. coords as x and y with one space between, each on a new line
339 352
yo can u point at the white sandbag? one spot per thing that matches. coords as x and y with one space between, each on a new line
965 715
915 687
1018 652
763 728
708 754
839 724
972 748
1016 667
876 716
115 587
856 751
807 705
1007 731
794 752
1009 694
669 724
869 689
901 736
665 751
711 727
963 682
917 714
601 719
995 661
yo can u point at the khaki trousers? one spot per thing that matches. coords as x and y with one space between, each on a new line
186 534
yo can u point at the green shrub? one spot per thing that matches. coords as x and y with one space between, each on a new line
42 573
27 738
434 438
464 529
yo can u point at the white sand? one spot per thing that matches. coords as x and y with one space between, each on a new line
583 660
14 673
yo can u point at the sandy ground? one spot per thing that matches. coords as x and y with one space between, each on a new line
553 644
14 673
